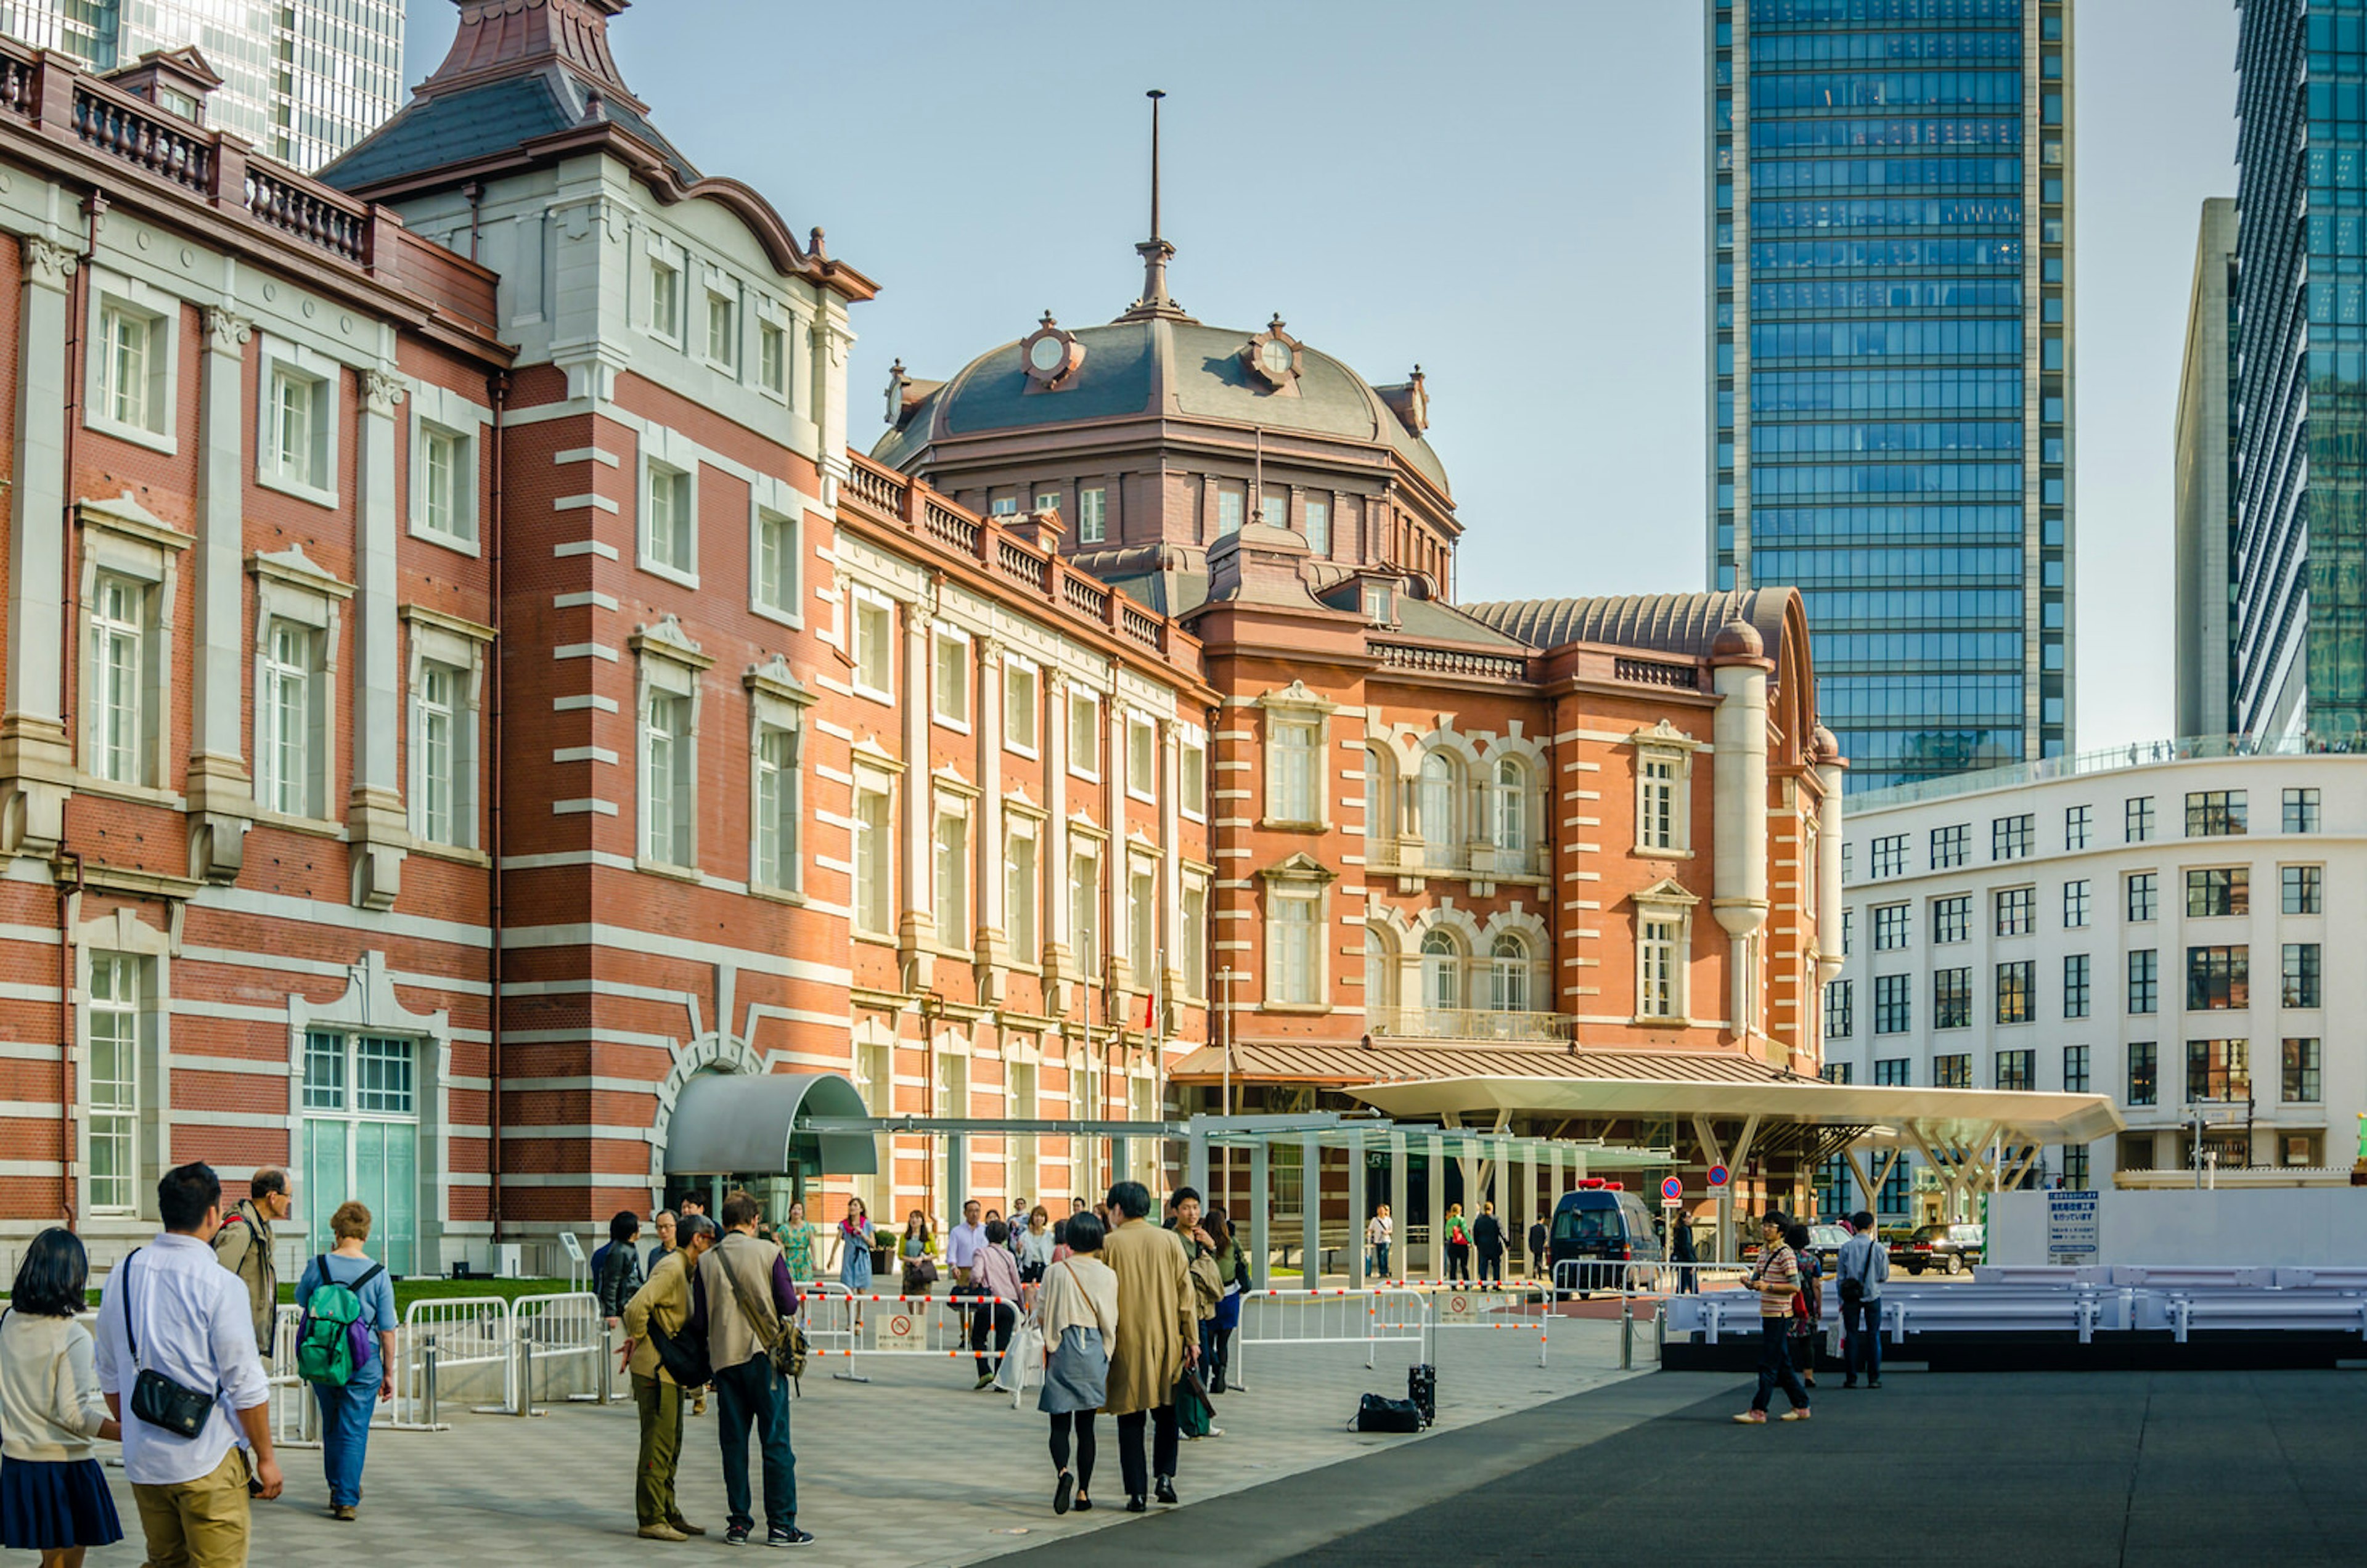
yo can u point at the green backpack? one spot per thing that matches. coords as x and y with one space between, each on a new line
325 1347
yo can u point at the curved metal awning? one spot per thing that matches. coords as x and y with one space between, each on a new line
746 1123
1948 1115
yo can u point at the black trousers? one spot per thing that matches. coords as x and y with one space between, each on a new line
1775 1365
1491 1266
1458 1260
1082 1422
1004 1318
1861 1337
1163 1443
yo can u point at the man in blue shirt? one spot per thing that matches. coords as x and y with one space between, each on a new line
1864 1264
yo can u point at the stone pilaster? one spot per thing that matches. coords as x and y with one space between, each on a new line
219 789
916 928
376 823
1170 872
1058 969
36 755
989 952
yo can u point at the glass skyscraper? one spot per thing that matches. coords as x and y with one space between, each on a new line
302 80
1890 363
2300 561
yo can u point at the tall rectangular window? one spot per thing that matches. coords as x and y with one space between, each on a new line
2074 985
2075 903
1141 757
951 870
669 775
2218 890
1092 514
2301 1072
298 429
361 1138
1657 991
1890 929
1194 936
1143 923
1319 525
2075 1068
1231 501
666 535
2301 811
950 692
2079 821
2137 819
1894 1007
2304 889
2017 987
2076 1167
1951 918
2145 1076
115 1008
722 331
285 771
1890 856
875 643
1657 801
128 389
772 358
776 807
2144 896
440 751
1840 1010
1951 847
776 563
1019 890
2017 911
119 628
665 299
1084 735
874 840
1021 711
1191 777
442 501
2219 978
1295 963
1085 911
2010 837
2145 981
2300 975
1951 999
2215 813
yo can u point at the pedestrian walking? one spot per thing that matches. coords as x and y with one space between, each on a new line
994 1273
964 1240
1078 1313
1776 1279
661 1356
662 1222
1862 1269
197 1443
54 1496
1540 1252
1458 1244
1378 1231
1809 1310
1033 1249
1193 1417
746 1298
1681 1252
345 1349
854 1247
1158 1320
1233 1268
916 1254
797 1236
1487 1241
245 1246
616 1267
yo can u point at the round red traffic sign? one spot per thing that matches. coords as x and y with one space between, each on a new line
1671 1188
1719 1176
899 1326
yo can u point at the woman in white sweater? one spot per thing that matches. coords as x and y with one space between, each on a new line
53 1496
1077 1310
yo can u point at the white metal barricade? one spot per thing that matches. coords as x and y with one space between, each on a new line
446 1343
566 1327
1389 1314
295 1416
938 1326
1521 1308
826 1309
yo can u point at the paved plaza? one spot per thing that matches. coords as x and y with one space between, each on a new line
912 1468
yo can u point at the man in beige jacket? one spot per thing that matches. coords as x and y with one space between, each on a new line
243 1245
666 1301
1157 1336
743 1275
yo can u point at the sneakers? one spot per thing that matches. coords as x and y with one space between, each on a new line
736 1536
1802 1413
343 1511
1752 1418
662 1532
788 1535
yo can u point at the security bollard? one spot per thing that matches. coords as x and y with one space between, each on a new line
608 1371
425 1413
1626 1334
525 1373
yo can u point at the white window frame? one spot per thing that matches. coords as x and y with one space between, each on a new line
159 314
951 896
459 646
290 589
130 1107
121 540
1191 935
942 639
722 292
772 359
865 602
875 842
1663 930
1318 508
670 667
666 256
1511 804
1666 750
671 456
777 705
1297 904
1294 710
1512 980
439 412
777 593
1092 514
317 482
1085 761
1229 508
1087 946
1023 895
1017 672
1141 920
1141 771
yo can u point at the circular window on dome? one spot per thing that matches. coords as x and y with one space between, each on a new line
1273 355
1051 355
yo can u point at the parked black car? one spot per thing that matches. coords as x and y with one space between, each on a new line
1950 1248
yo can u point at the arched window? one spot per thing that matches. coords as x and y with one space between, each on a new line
1508 973
1377 975
1439 830
1441 972
1508 806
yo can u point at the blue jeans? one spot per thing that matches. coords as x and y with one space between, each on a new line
753 1392
1381 1258
344 1430
1861 1336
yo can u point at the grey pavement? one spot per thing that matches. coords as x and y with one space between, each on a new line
912 1468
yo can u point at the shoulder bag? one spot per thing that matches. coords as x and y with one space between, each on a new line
784 1341
684 1361
156 1399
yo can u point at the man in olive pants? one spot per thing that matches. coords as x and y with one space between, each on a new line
667 1301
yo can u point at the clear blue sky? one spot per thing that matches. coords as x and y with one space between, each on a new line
1510 194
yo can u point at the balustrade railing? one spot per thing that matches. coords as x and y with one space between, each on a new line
1471 1023
1457 662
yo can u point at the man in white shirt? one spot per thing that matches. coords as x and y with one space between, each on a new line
173 1309
962 1242
1864 1264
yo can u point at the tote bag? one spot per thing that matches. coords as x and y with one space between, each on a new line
1024 1363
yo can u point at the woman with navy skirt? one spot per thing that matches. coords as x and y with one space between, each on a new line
53 1496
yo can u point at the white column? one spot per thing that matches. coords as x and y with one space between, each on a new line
990 950
916 928
36 756
220 790
1055 869
1117 939
374 817
1739 815
1171 860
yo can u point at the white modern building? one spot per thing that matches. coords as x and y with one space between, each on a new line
302 80
2161 924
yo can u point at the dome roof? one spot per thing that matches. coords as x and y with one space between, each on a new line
1158 365
1739 640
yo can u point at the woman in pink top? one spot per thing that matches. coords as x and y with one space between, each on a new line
994 1273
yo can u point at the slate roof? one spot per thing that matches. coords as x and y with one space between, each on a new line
1681 623
486 121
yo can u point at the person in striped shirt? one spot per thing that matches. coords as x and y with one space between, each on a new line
1777 1280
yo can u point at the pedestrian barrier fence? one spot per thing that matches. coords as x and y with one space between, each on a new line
457 1347
1387 1315
295 1416
1522 1307
826 1311
558 1336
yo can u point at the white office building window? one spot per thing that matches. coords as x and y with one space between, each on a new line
777 806
296 430
361 1138
1191 775
1085 910
1442 972
723 332
439 751
1142 923
773 358
1319 524
118 656
132 354
669 779
1659 978
1142 758
1194 938
665 298
1293 763
1509 966
1232 502
1508 806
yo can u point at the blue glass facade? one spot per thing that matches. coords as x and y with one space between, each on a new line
2300 563
1890 361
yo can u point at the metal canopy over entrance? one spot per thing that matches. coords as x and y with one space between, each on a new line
735 1123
